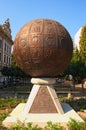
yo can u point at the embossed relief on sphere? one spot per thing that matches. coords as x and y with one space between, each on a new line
43 48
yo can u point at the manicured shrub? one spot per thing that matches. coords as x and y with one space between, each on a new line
55 126
76 104
76 125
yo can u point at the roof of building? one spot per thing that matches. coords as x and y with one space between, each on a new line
6 30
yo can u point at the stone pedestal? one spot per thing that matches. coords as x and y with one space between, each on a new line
43 98
42 106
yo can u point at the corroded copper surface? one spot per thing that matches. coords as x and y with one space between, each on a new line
43 48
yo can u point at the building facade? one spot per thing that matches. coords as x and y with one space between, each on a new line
6 43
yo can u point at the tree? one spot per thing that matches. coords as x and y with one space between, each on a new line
82 44
76 67
5 71
13 61
75 56
14 71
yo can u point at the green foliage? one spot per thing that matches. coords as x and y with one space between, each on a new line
3 116
5 71
76 69
22 126
3 128
75 56
72 124
76 104
51 126
13 71
82 44
30 126
77 66
76 125
6 103
13 61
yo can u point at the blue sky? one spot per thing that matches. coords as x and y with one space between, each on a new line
70 13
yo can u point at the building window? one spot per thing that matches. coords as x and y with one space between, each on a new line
0 43
0 56
9 50
4 58
9 61
5 47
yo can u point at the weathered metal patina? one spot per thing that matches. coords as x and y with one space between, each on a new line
43 48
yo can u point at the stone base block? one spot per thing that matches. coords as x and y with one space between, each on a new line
40 119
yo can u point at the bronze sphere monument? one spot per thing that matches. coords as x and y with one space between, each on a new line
43 48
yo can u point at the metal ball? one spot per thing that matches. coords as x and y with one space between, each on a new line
43 48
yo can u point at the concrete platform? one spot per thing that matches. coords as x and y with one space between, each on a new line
40 119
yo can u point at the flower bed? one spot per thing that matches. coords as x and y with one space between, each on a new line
6 106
